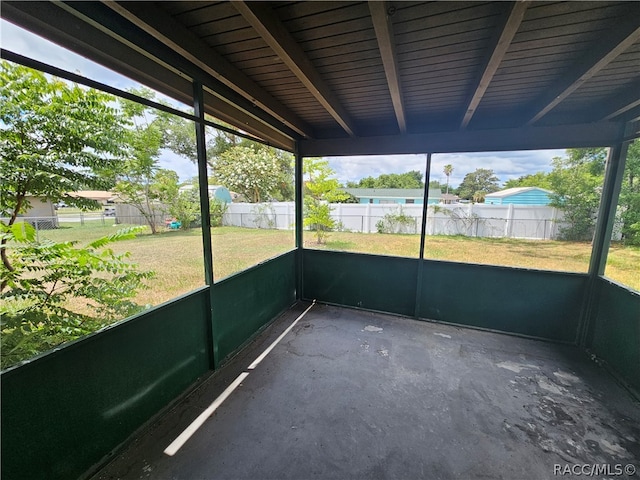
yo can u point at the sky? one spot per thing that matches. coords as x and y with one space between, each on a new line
506 165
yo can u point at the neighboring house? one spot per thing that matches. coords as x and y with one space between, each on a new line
519 196
41 213
449 198
394 195
215 191
99 196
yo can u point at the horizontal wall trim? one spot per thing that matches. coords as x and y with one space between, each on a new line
453 262
99 334
621 286
508 139
533 303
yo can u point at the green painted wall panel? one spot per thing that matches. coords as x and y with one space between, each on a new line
64 411
244 303
386 284
616 327
528 302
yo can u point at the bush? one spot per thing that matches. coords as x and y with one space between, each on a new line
45 276
217 209
397 222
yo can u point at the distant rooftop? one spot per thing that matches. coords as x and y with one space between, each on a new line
514 191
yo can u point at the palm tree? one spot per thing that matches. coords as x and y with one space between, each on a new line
448 170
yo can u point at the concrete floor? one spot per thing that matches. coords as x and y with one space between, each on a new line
350 394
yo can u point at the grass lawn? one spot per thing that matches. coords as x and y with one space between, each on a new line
176 256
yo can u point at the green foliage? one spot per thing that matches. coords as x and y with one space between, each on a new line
576 182
254 173
629 202
320 190
396 222
46 276
476 185
181 139
411 179
185 207
217 209
317 217
265 216
55 138
141 183
538 179
448 171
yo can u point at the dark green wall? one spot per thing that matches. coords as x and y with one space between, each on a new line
244 303
528 302
386 284
616 331
63 412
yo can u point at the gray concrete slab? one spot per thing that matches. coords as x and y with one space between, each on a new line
351 394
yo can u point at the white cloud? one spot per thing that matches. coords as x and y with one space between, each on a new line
506 165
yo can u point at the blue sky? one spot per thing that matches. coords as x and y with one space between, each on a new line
506 165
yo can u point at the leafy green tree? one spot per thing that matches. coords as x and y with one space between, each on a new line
252 173
448 170
182 140
411 179
47 275
576 182
538 179
185 207
140 181
56 138
320 190
478 184
629 203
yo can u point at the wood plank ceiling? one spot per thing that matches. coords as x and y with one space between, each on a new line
366 76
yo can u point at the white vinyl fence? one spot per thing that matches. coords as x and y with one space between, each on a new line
474 220
477 220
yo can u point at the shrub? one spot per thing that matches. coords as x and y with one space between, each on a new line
45 276
397 222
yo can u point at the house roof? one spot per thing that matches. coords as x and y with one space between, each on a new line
346 78
99 195
392 192
515 191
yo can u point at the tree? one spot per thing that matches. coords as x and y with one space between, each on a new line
140 181
448 170
629 203
320 190
181 139
411 179
478 184
538 179
47 275
56 138
576 182
255 173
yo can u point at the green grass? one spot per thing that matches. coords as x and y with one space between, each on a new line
176 255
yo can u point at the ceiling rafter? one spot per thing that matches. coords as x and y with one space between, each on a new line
161 26
608 47
386 44
619 103
508 26
261 17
